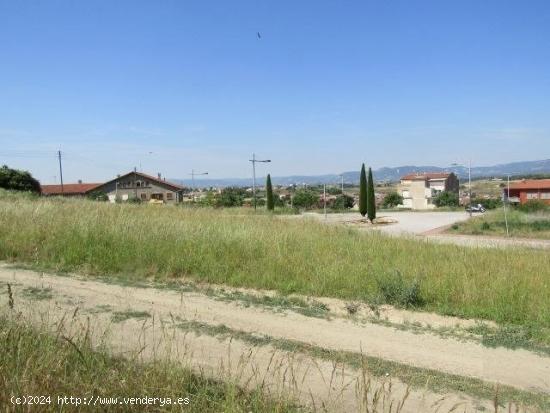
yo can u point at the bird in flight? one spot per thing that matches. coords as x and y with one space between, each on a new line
259 35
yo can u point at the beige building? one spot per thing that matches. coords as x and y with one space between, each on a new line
144 187
420 189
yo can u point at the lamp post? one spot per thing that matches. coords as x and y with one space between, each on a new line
254 160
469 183
193 174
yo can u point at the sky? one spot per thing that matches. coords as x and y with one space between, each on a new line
174 86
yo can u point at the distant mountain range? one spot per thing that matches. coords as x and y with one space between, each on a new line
385 174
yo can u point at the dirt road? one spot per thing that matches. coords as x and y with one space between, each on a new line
149 319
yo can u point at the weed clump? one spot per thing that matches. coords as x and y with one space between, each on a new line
396 290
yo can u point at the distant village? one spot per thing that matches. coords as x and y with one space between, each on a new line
415 191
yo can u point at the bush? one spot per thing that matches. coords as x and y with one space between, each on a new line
231 197
491 203
446 198
18 180
305 198
98 196
343 202
392 200
400 292
534 205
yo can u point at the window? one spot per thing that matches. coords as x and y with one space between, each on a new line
532 195
138 184
143 196
169 196
545 195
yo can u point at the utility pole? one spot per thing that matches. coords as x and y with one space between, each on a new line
470 184
254 160
342 183
60 172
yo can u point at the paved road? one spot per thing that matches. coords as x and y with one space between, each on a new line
429 226
406 222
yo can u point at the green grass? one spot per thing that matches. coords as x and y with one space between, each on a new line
269 252
120 316
520 224
35 363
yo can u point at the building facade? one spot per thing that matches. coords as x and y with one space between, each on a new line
420 190
528 190
146 188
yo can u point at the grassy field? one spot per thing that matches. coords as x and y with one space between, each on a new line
520 224
270 252
33 362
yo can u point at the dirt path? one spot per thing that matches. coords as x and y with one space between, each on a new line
317 378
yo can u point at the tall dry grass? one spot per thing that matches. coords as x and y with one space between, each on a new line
240 249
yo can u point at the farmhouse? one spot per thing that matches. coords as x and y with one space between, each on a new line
137 185
420 189
78 189
528 190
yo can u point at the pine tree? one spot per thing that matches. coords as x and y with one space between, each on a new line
269 193
371 198
363 192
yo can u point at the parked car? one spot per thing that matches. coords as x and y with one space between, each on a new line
475 208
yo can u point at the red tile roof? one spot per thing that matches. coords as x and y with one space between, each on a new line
426 175
531 184
68 189
149 177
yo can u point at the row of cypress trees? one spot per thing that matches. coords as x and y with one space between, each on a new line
367 201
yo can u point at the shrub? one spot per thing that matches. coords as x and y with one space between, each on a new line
305 198
18 180
343 202
98 196
231 197
446 198
491 203
400 292
533 205
392 200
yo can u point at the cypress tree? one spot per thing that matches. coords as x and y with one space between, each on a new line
371 198
363 192
269 193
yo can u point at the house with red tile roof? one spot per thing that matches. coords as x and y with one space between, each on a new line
419 190
146 188
528 190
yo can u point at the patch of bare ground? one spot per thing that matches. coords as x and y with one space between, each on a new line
127 318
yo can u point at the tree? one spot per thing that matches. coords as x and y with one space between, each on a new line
363 192
446 198
269 194
305 198
343 202
18 180
392 199
231 197
371 198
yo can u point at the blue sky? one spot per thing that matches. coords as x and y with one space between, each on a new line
181 85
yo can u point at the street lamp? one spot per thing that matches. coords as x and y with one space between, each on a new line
254 160
193 174
469 183
342 182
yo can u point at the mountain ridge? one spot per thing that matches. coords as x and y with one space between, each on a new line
390 174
